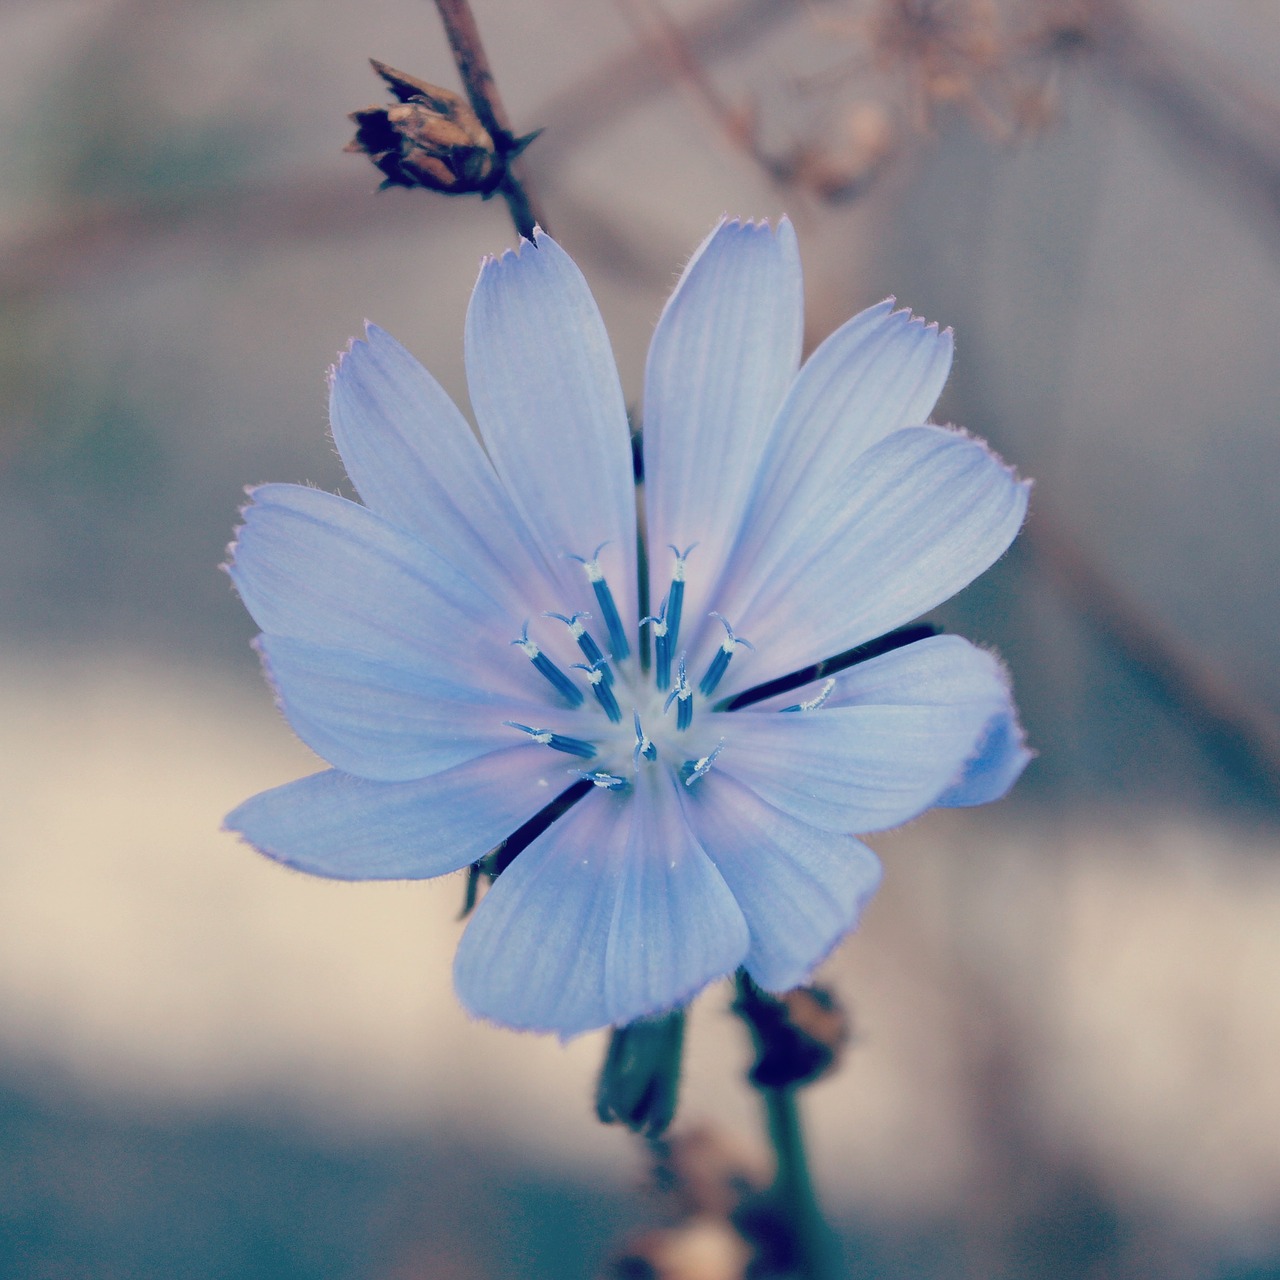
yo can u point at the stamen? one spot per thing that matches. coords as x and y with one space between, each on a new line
586 641
661 644
672 612
682 696
604 597
692 770
814 703
556 741
563 685
609 781
644 747
601 687
720 663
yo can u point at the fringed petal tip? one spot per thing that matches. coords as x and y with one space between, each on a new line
998 761
1023 482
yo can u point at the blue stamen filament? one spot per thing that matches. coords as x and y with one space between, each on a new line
542 664
672 611
586 641
812 704
682 696
720 663
601 687
556 741
644 747
692 770
661 645
618 643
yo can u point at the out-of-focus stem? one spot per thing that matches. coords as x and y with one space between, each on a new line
793 1188
800 1237
478 80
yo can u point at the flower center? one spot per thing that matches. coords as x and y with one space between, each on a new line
636 716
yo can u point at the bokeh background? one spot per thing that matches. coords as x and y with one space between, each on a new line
1067 1006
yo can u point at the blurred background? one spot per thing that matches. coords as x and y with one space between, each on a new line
1067 1010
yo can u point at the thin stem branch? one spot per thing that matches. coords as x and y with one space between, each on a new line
794 1237
793 1190
478 80
1229 128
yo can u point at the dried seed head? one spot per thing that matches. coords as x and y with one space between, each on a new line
429 138
800 1036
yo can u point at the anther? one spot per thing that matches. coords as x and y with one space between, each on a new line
644 747
586 641
563 685
814 703
556 741
692 770
604 597
601 687
720 663
609 781
682 696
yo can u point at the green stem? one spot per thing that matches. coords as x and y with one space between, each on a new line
482 89
805 1241
793 1193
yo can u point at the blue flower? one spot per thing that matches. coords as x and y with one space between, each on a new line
469 645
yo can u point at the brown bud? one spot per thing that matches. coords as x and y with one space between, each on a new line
799 1036
844 166
430 138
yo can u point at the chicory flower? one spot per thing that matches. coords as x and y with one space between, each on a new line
470 645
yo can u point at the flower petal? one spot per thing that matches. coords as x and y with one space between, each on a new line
378 720
912 520
998 764
800 889
944 669
546 395
332 824
725 350
612 914
415 461
895 734
878 372
315 567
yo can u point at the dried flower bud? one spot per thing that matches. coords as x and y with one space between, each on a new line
430 138
844 166
799 1037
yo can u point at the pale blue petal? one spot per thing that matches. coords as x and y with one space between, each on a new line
939 670
913 520
613 914
378 720
997 765
415 461
800 889
315 567
878 372
332 824
723 355
676 925
894 736
546 395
